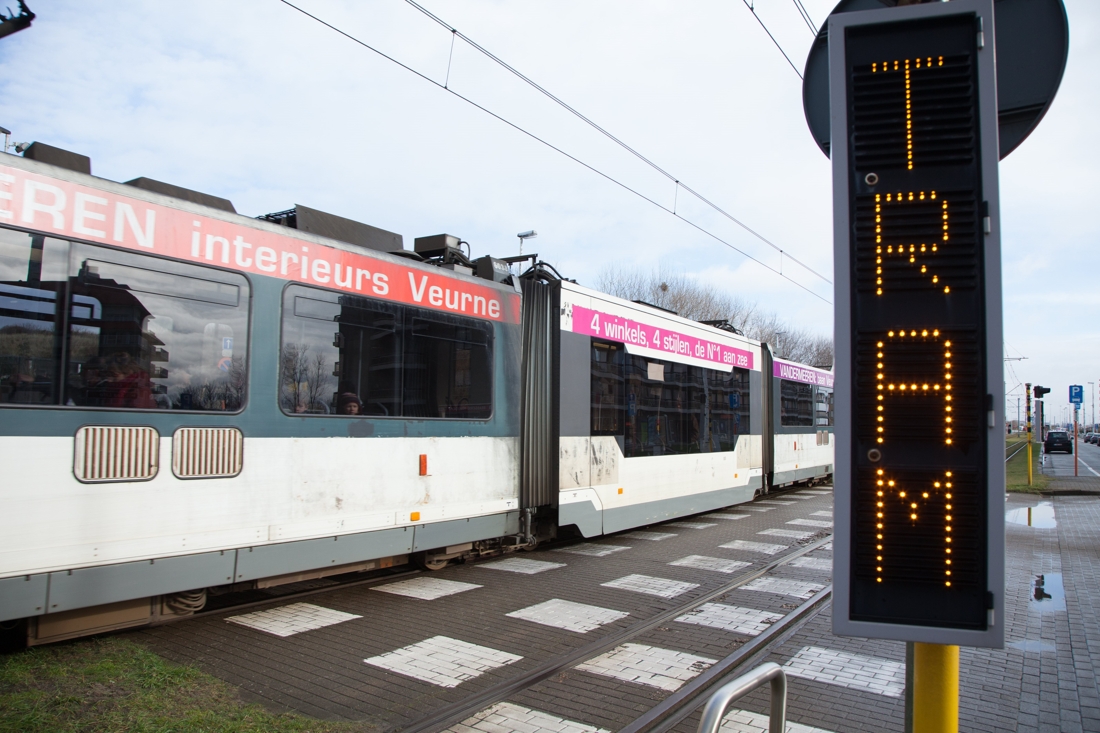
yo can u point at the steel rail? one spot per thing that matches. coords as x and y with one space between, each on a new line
1013 453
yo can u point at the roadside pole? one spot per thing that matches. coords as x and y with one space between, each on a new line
1076 454
935 688
1029 469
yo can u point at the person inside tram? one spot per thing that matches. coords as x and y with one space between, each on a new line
348 404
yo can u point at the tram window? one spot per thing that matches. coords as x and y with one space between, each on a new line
796 404
607 388
143 333
33 273
674 408
348 355
447 370
146 333
727 414
823 407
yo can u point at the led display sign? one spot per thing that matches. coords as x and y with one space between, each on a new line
917 305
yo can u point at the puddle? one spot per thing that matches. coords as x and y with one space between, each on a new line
1040 516
1048 594
1032 645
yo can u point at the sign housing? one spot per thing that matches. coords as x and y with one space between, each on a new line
919 549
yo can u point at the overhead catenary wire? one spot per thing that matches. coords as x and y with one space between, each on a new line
761 22
553 147
618 141
805 16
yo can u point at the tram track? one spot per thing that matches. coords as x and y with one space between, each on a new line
1015 449
675 707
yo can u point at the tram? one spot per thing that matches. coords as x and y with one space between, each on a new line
193 402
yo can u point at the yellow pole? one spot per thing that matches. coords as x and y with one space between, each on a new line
1029 460
935 688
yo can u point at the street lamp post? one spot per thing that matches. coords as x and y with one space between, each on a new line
526 235
1092 422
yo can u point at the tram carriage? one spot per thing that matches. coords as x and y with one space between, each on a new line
192 400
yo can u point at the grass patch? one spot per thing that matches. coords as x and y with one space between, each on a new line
1016 472
112 684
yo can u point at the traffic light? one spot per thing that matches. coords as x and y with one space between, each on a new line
919 549
1040 391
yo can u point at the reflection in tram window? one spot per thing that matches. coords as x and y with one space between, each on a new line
796 403
663 408
608 396
823 407
170 338
142 333
348 355
33 272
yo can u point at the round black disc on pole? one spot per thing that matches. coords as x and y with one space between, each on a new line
1032 42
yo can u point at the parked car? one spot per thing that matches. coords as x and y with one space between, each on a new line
1058 440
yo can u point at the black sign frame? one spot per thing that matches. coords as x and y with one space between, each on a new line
919 549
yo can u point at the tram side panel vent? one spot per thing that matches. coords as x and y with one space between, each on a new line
116 453
207 452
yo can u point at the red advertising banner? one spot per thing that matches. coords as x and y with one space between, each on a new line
69 210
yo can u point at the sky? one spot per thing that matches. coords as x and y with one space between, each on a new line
260 104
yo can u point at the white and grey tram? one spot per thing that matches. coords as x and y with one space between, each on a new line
193 401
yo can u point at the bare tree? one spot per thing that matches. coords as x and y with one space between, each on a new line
320 380
294 371
691 299
305 379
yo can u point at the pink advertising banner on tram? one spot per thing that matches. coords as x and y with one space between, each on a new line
625 330
70 210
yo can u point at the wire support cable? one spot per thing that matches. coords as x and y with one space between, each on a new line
610 136
761 22
556 149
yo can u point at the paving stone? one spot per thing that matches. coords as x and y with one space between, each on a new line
293 619
812 563
651 586
748 546
652 536
747 621
784 586
792 533
690 525
505 717
521 565
568 615
592 549
821 523
443 661
857 671
744 721
426 589
664 669
717 564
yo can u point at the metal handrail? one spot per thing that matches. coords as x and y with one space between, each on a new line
720 701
